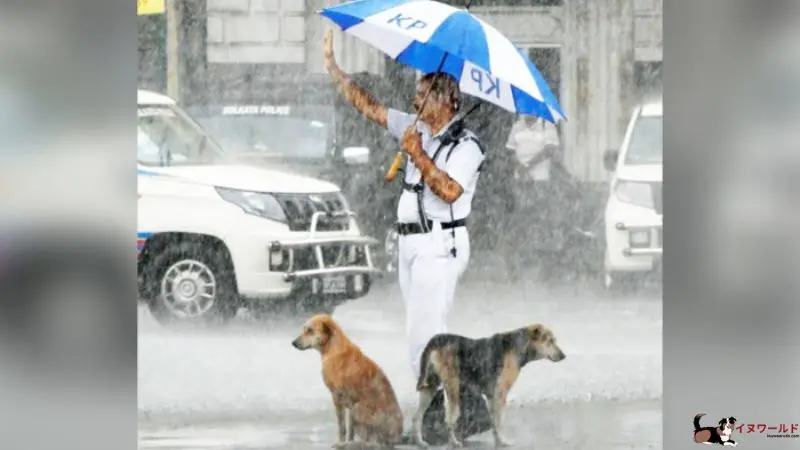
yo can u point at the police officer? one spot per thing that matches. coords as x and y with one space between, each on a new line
441 174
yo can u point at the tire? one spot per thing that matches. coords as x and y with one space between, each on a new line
193 268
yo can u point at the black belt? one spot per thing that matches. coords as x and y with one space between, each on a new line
404 229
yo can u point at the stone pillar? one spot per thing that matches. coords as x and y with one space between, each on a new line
600 55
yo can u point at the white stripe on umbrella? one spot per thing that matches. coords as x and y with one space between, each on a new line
390 43
478 82
507 63
403 19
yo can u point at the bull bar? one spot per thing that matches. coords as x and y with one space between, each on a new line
656 247
316 244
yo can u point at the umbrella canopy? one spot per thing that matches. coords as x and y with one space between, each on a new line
432 36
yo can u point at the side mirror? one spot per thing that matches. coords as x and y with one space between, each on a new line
355 155
610 160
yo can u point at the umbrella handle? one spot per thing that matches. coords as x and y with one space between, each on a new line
392 172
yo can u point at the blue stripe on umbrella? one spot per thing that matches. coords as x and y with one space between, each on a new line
526 104
348 14
460 34
427 59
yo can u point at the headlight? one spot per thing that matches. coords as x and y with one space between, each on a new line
256 203
635 193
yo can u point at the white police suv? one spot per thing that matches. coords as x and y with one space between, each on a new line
214 237
634 213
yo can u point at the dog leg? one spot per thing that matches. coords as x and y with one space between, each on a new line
362 430
351 426
425 399
731 443
340 418
497 404
371 440
452 408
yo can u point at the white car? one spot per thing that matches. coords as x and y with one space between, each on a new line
634 213
213 237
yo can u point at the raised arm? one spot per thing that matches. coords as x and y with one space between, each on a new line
363 101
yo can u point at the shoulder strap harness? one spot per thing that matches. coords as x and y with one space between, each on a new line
418 188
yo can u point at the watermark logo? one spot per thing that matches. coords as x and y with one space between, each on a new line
720 434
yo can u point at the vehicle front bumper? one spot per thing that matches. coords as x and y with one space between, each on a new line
279 265
634 238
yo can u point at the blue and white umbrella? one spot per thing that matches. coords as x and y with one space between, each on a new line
421 33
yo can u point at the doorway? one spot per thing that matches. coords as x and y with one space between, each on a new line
548 60
647 78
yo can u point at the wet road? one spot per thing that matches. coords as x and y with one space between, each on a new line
246 387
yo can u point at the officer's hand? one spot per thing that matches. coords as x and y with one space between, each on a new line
327 51
411 142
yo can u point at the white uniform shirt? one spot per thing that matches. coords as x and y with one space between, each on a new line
528 141
465 160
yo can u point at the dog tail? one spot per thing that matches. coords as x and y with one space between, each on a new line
697 421
422 381
426 378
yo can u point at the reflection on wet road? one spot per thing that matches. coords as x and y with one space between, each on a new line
246 386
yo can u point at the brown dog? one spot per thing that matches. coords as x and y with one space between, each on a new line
358 386
489 366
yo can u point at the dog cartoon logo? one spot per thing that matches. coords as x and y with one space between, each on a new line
721 434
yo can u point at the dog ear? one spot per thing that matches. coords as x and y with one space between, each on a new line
535 332
732 419
327 330
722 422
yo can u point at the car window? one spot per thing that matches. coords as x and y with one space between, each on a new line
166 136
306 133
646 145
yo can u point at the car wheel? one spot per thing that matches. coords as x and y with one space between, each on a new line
192 284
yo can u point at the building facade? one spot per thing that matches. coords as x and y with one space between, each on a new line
600 56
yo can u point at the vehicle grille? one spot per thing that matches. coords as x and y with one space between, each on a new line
300 208
658 198
333 255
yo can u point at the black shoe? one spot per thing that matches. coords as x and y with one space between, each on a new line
474 417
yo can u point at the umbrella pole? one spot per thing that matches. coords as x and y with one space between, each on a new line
398 158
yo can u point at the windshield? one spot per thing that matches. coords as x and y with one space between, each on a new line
166 136
646 145
293 136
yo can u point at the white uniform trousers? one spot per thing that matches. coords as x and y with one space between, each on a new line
428 274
